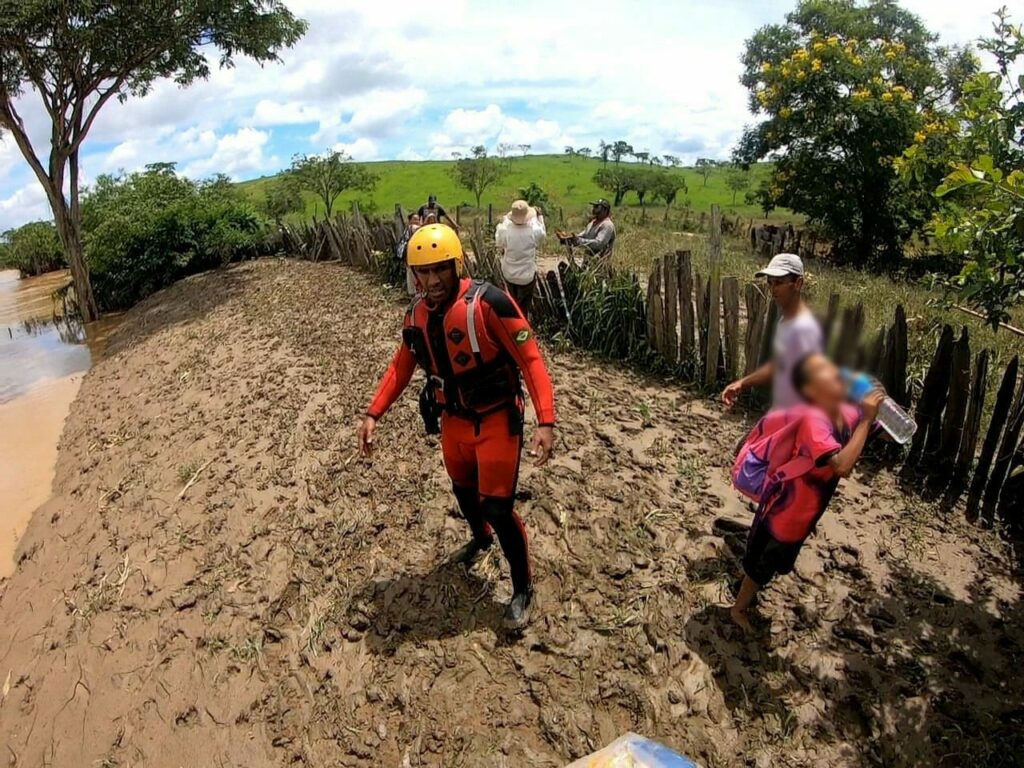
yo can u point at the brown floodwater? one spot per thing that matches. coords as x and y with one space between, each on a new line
42 361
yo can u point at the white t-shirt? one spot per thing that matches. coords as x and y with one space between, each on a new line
518 244
794 338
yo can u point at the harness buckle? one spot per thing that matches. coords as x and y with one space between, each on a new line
437 381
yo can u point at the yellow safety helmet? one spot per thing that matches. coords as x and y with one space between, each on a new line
433 244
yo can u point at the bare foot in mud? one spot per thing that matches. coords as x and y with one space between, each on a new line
740 619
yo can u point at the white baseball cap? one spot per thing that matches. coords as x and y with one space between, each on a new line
783 264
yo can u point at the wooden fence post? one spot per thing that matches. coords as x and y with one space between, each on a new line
686 317
972 421
731 303
700 297
714 302
898 353
771 319
1007 448
956 403
671 279
490 214
933 398
830 318
655 310
1000 409
754 301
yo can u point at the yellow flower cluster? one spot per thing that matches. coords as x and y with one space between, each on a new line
766 67
862 94
816 65
785 112
887 96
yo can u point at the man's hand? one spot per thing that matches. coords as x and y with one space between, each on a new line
543 442
365 437
731 392
870 404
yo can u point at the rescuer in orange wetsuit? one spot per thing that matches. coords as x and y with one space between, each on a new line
473 343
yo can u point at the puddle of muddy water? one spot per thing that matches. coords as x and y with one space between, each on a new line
42 361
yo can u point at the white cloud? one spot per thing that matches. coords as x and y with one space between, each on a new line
360 149
236 153
27 203
269 112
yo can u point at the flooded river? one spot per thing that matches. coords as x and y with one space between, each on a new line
41 367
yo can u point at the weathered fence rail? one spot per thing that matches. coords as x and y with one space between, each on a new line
695 325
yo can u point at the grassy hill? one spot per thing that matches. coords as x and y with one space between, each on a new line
568 181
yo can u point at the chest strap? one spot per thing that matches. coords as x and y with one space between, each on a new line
472 298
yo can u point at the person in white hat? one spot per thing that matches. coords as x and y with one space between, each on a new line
797 335
518 236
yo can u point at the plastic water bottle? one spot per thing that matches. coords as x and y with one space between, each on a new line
891 415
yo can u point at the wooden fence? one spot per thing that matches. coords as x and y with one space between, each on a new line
696 326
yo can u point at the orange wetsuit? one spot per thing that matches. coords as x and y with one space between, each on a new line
473 350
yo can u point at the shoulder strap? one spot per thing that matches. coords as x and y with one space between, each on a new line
472 298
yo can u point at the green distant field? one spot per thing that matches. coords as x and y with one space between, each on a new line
568 181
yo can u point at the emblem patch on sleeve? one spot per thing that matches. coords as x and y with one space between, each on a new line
523 336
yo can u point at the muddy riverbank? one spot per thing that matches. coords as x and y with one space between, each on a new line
219 580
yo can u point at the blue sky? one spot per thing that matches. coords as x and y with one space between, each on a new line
421 80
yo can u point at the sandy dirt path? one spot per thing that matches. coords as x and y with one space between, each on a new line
288 606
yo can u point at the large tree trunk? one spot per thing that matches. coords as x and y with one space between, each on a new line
70 230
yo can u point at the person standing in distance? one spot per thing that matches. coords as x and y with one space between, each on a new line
474 344
797 335
433 213
518 236
598 237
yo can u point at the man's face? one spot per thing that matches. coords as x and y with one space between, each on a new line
785 290
437 281
598 212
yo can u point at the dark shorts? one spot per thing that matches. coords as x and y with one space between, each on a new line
767 557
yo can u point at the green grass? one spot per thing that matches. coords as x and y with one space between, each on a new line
568 181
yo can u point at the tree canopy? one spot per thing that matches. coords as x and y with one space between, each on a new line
329 175
77 55
844 86
980 221
477 172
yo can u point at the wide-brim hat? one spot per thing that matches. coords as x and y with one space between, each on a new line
521 212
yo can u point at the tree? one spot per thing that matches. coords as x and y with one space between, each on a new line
667 186
534 195
604 150
475 174
76 55
32 248
980 221
619 150
524 148
671 160
584 152
844 87
504 153
569 151
643 181
641 157
145 230
281 197
330 174
737 180
615 181
704 167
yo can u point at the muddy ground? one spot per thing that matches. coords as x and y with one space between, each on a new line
220 581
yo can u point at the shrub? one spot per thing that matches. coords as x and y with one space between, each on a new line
145 230
32 249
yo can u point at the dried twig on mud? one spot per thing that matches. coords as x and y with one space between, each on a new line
192 480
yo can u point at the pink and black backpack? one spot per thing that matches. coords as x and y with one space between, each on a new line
770 456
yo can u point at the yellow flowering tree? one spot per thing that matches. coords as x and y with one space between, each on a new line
843 87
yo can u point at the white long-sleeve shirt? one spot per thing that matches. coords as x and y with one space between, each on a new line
518 244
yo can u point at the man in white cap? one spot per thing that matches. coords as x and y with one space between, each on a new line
798 334
518 236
